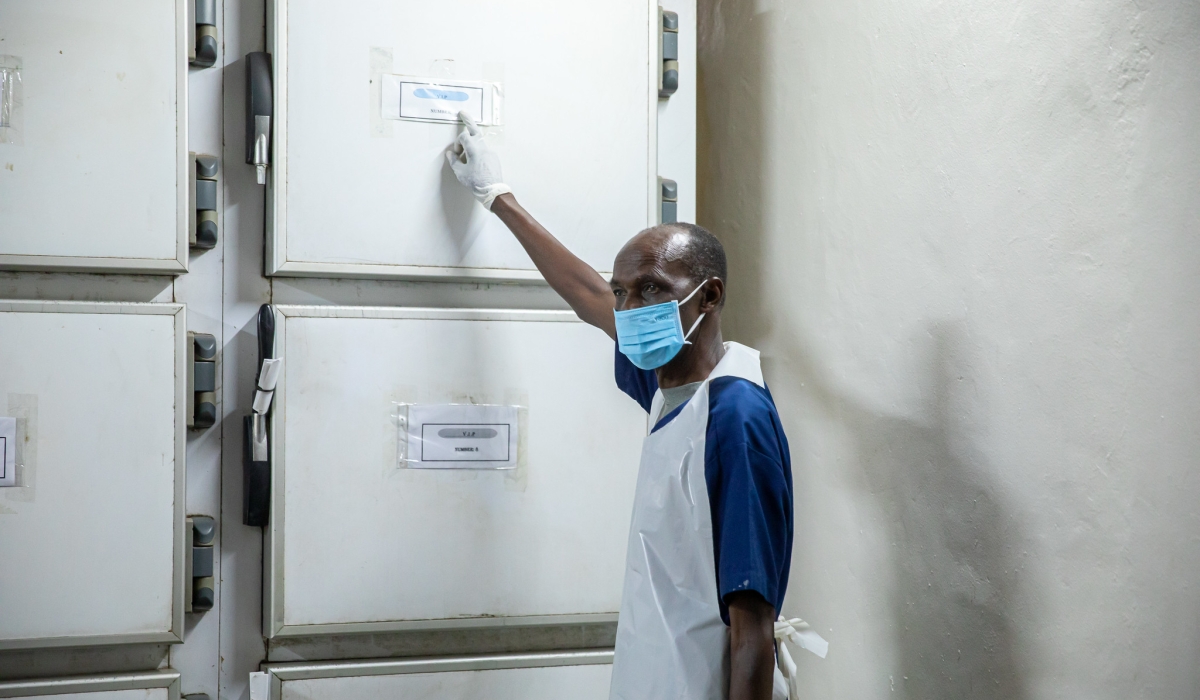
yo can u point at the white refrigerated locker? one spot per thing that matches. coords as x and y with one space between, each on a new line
93 149
360 542
148 685
91 532
557 676
572 89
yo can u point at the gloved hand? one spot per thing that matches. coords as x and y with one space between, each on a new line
475 165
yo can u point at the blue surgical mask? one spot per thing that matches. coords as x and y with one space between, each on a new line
651 336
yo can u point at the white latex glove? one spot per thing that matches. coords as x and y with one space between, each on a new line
475 165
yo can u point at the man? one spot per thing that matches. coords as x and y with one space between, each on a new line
711 538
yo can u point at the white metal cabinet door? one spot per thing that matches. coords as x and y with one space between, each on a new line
98 177
358 543
142 694
562 676
356 196
91 538
149 685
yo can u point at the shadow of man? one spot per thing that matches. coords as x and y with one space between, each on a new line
952 541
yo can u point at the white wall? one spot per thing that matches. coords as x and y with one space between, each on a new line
964 236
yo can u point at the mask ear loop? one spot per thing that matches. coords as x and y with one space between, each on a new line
697 323
689 333
693 293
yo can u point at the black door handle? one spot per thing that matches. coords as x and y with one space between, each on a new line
256 445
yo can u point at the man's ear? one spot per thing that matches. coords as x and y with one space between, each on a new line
712 295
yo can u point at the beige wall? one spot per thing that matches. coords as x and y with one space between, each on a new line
966 237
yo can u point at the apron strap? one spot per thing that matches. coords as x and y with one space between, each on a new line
801 634
739 361
656 405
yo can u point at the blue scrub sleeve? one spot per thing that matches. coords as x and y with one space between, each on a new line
639 384
748 473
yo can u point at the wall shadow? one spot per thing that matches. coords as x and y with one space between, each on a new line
953 541
954 566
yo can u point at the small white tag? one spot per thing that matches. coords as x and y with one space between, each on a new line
262 401
270 374
431 99
440 102
8 451
459 436
465 442
260 686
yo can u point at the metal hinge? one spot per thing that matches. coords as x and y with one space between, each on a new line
202 228
668 51
202 46
668 201
201 380
202 49
200 595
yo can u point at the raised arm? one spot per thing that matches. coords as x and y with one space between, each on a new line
574 280
478 168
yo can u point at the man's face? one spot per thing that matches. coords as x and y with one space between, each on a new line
649 270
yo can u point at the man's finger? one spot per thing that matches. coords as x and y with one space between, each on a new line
468 122
468 144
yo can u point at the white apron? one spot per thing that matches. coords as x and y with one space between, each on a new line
671 642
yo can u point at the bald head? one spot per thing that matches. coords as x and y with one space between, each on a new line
669 262
680 244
